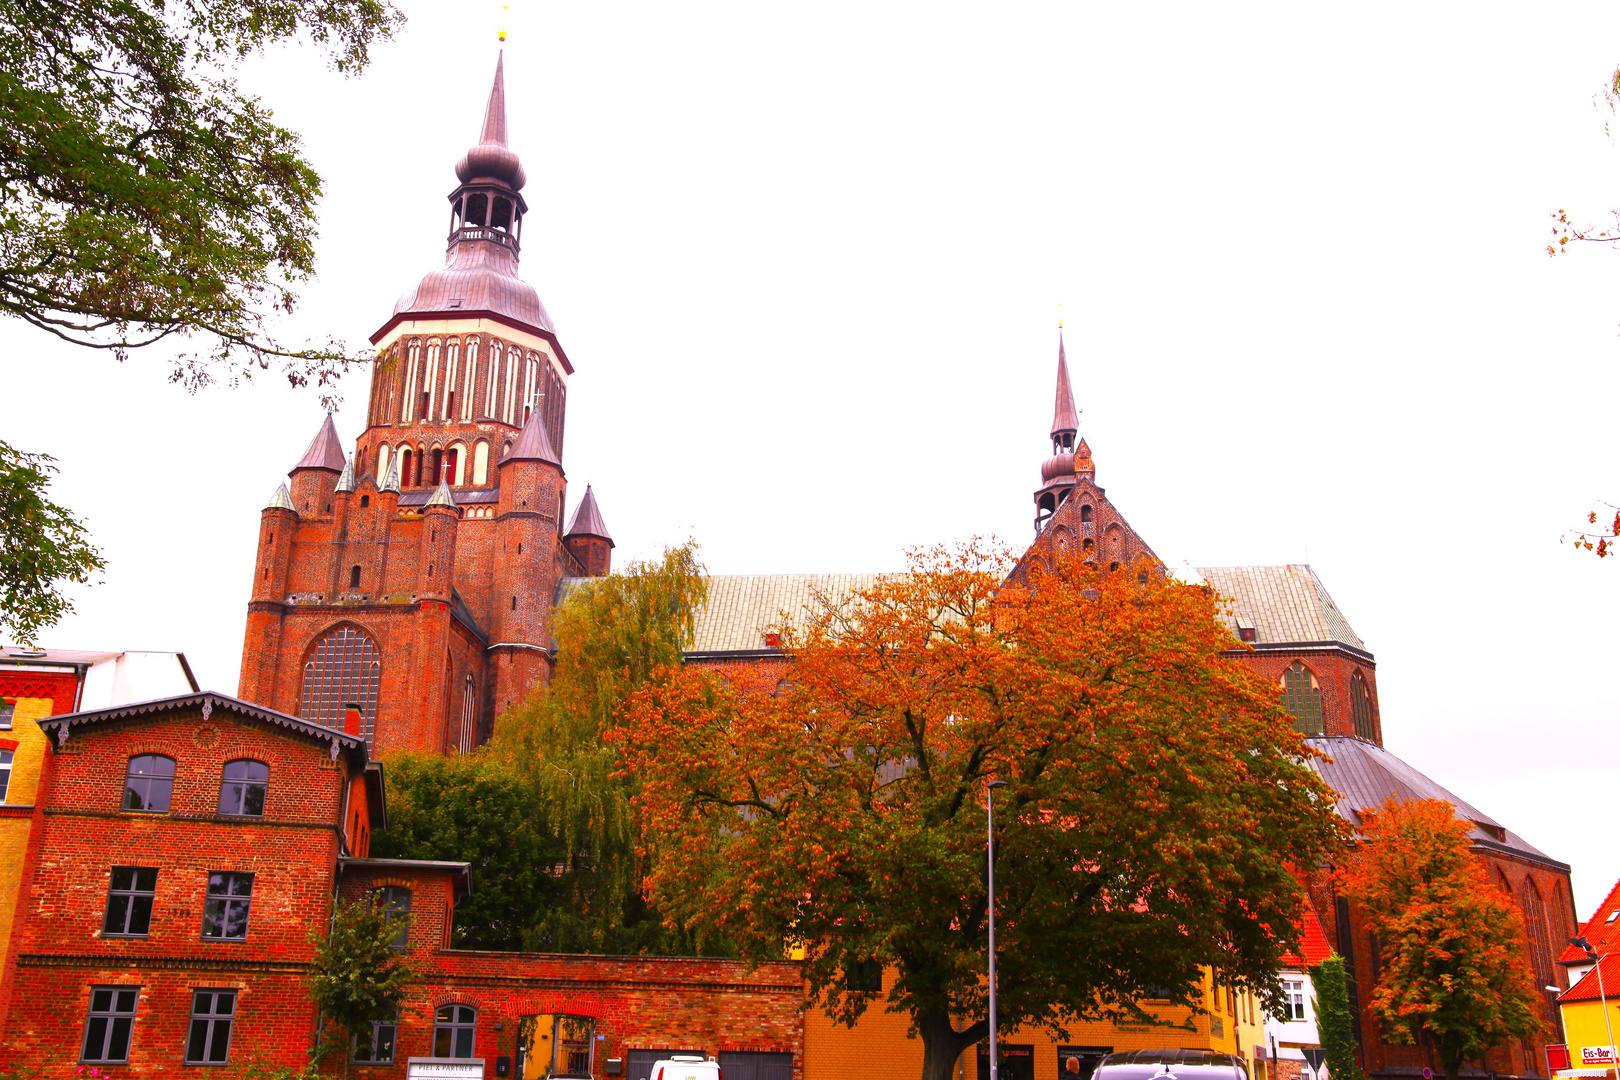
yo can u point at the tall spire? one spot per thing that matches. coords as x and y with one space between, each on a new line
1065 417
495 114
492 160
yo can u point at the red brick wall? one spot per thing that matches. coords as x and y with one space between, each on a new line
1333 669
81 833
61 687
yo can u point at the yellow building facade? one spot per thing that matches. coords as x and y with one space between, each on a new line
878 1047
24 743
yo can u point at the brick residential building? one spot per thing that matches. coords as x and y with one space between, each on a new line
185 848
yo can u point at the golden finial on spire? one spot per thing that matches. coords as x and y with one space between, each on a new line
500 27
1060 316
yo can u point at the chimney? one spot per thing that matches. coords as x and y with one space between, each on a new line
351 720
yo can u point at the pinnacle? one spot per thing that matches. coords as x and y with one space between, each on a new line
534 444
1065 417
346 481
325 450
588 519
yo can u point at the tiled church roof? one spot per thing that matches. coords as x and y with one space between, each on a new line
1284 604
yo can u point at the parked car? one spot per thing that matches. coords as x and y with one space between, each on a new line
1173 1064
685 1067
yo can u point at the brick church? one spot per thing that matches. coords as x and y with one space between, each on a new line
409 584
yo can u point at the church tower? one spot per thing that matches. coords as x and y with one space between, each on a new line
414 581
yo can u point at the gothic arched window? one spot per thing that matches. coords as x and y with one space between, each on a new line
342 672
1361 707
1302 697
1540 938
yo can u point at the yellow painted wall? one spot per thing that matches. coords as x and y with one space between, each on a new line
1583 1026
877 1047
25 765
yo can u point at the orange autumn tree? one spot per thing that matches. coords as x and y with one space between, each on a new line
1157 797
1452 967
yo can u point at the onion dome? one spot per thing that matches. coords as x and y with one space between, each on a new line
492 159
588 520
1057 467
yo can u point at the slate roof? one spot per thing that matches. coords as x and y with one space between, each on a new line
1365 775
1284 604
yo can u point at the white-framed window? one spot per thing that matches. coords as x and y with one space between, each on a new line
8 709
5 774
1293 999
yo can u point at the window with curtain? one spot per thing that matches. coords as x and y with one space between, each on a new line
1302 697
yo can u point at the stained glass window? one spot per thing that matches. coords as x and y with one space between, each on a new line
342 671
1302 697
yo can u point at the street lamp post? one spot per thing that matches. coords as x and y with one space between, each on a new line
990 861
1603 996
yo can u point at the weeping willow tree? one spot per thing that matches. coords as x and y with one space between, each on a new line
612 633
544 811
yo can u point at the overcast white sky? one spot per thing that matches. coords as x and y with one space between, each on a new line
807 260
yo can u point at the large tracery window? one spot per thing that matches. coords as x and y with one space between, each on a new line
1361 707
467 737
342 671
1302 697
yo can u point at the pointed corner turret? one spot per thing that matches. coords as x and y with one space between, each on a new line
587 520
390 480
281 500
1065 417
587 538
533 444
345 482
442 497
325 450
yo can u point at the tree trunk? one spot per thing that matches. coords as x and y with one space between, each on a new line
943 1044
1451 1061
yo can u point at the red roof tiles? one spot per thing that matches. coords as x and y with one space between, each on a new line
1602 930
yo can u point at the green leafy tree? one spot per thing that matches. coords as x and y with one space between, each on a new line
1453 966
358 977
542 812
143 196
42 547
473 808
1334 1020
1157 798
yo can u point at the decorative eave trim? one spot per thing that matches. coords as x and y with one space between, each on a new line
1305 646
59 726
475 313
135 963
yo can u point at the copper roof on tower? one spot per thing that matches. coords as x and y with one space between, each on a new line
588 519
480 274
1065 417
533 444
325 452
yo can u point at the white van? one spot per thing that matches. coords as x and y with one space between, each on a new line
685 1067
